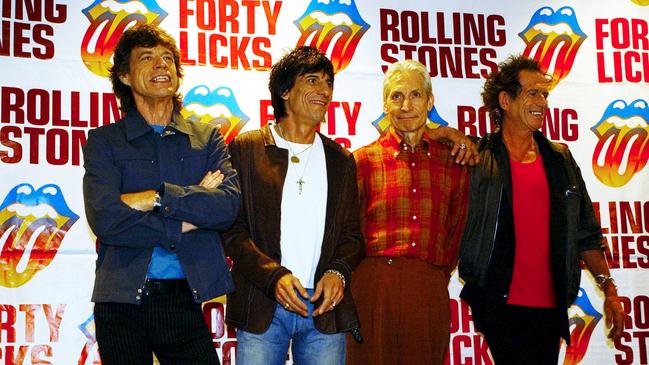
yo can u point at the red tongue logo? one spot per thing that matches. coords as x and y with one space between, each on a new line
108 20
553 39
215 106
32 227
623 146
583 320
334 28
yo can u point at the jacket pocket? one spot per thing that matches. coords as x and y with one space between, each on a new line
138 174
193 166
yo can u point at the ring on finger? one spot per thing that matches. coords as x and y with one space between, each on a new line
462 146
333 303
285 305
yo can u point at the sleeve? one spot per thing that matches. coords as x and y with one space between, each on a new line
360 186
114 222
589 232
257 267
205 208
350 248
458 211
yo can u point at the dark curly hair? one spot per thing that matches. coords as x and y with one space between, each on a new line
141 35
283 73
506 79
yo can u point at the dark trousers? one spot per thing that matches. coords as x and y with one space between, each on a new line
168 324
520 335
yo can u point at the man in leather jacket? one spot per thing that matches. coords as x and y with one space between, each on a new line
530 223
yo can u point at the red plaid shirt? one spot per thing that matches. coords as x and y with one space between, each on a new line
413 202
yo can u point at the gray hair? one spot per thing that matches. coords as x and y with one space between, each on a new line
401 67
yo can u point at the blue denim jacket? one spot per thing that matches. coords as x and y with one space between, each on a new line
128 157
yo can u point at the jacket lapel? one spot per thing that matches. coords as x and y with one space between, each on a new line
553 163
275 171
334 183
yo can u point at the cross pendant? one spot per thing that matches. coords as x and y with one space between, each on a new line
300 183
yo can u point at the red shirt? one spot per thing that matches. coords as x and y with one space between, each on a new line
532 283
413 201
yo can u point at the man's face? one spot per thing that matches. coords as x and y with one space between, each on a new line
527 110
152 73
309 98
408 102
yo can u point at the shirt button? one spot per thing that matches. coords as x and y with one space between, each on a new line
389 261
413 244
172 247
414 190
137 297
139 291
396 154
414 217
412 164
167 209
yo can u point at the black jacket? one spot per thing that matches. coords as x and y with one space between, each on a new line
487 247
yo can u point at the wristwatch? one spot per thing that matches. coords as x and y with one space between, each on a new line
157 202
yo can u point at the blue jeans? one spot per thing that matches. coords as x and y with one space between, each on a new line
310 346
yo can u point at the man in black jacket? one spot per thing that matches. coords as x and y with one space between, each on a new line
530 223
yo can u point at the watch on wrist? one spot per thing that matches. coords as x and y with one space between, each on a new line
157 202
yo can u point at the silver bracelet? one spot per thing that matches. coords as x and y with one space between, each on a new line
601 279
338 274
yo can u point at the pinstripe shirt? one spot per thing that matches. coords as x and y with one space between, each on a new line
413 200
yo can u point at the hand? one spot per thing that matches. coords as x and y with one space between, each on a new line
331 287
142 201
187 227
212 179
614 314
463 148
285 294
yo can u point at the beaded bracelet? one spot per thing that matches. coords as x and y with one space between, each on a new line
338 274
601 279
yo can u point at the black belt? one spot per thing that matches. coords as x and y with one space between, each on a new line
166 286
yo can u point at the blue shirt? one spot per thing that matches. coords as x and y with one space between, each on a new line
164 263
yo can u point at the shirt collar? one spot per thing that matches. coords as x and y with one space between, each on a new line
394 141
181 124
137 126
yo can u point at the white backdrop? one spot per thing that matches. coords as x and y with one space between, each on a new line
53 60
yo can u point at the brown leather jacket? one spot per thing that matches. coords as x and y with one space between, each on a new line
253 242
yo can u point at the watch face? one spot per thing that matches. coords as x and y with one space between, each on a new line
157 201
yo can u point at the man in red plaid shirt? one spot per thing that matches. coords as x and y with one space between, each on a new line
413 193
